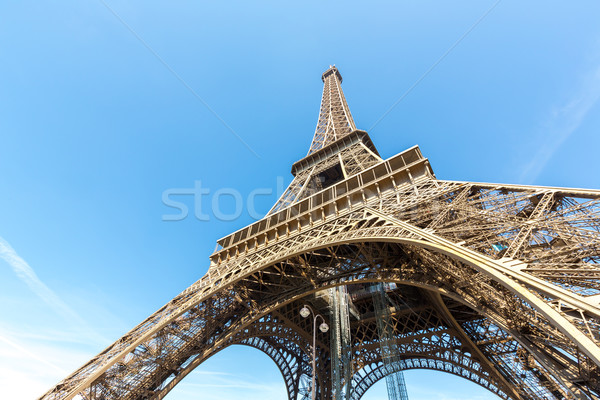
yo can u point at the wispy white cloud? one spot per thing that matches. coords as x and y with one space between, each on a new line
212 373
33 356
29 368
223 380
444 389
19 385
233 383
219 385
36 332
26 274
29 354
441 393
563 122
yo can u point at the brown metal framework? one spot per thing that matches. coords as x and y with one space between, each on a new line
499 284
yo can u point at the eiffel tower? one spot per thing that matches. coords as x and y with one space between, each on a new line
496 283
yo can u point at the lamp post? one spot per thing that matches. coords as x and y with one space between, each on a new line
304 313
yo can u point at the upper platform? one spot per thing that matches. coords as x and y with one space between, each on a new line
334 148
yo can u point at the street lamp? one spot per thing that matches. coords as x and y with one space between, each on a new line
305 311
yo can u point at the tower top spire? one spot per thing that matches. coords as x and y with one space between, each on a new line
332 70
335 120
338 149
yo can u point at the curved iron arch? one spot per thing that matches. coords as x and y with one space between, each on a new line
287 363
263 333
379 371
333 280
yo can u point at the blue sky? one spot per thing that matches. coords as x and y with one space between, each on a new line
97 123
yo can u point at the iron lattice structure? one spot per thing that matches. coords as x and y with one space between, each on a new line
498 284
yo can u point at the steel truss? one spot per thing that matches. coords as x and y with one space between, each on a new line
498 284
